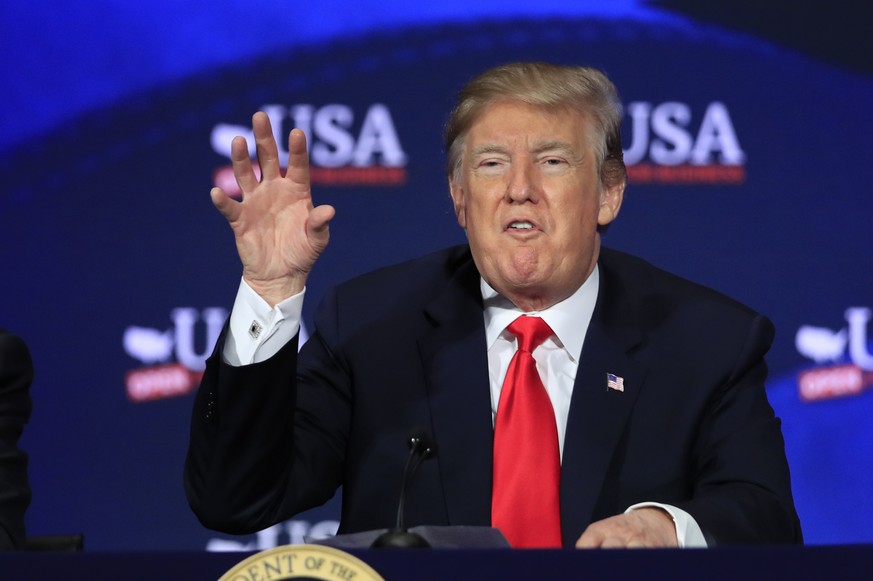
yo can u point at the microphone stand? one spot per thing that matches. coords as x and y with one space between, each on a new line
399 537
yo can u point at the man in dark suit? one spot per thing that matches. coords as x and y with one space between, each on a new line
657 417
16 374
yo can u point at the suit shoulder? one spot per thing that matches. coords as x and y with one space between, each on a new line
420 276
638 299
628 275
397 300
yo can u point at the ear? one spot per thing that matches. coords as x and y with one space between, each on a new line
610 203
459 202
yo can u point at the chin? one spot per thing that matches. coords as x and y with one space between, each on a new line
530 286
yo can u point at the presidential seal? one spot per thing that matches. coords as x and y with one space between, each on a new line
302 562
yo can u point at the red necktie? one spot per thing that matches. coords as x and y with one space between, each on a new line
525 503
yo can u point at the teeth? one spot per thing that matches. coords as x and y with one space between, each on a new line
521 225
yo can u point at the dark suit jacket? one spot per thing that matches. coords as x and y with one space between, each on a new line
403 349
16 374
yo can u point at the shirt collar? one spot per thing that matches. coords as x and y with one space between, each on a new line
569 319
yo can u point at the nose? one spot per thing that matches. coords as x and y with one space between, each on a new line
522 185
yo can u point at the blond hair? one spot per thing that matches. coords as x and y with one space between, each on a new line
582 89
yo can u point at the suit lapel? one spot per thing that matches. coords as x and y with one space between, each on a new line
454 360
455 365
598 415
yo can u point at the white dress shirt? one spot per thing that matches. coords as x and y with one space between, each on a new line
257 332
557 357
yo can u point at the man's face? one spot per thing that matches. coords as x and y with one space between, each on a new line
529 196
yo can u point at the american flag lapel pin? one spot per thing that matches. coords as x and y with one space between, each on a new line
614 382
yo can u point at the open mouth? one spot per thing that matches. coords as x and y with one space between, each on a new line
521 225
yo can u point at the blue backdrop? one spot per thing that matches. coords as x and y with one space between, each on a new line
750 173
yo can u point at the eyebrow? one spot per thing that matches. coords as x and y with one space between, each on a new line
489 148
538 148
554 144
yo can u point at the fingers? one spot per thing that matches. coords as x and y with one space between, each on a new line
275 191
298 158
599 535
637 529
268 157
242 164
589 540
268 152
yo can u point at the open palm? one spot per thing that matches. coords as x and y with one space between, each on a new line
279 233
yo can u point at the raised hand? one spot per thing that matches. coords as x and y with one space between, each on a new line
279 233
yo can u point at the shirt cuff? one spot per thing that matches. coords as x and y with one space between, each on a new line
688 532
256 332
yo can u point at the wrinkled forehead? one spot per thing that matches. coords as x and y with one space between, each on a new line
500 123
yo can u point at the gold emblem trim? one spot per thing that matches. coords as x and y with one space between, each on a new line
302 561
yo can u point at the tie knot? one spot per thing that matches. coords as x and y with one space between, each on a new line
531 332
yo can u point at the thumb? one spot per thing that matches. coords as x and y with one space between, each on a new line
317 227
228 207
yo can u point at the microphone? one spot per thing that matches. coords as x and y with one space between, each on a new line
420 448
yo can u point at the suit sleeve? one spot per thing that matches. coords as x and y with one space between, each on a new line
742 491
16 375
265 445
